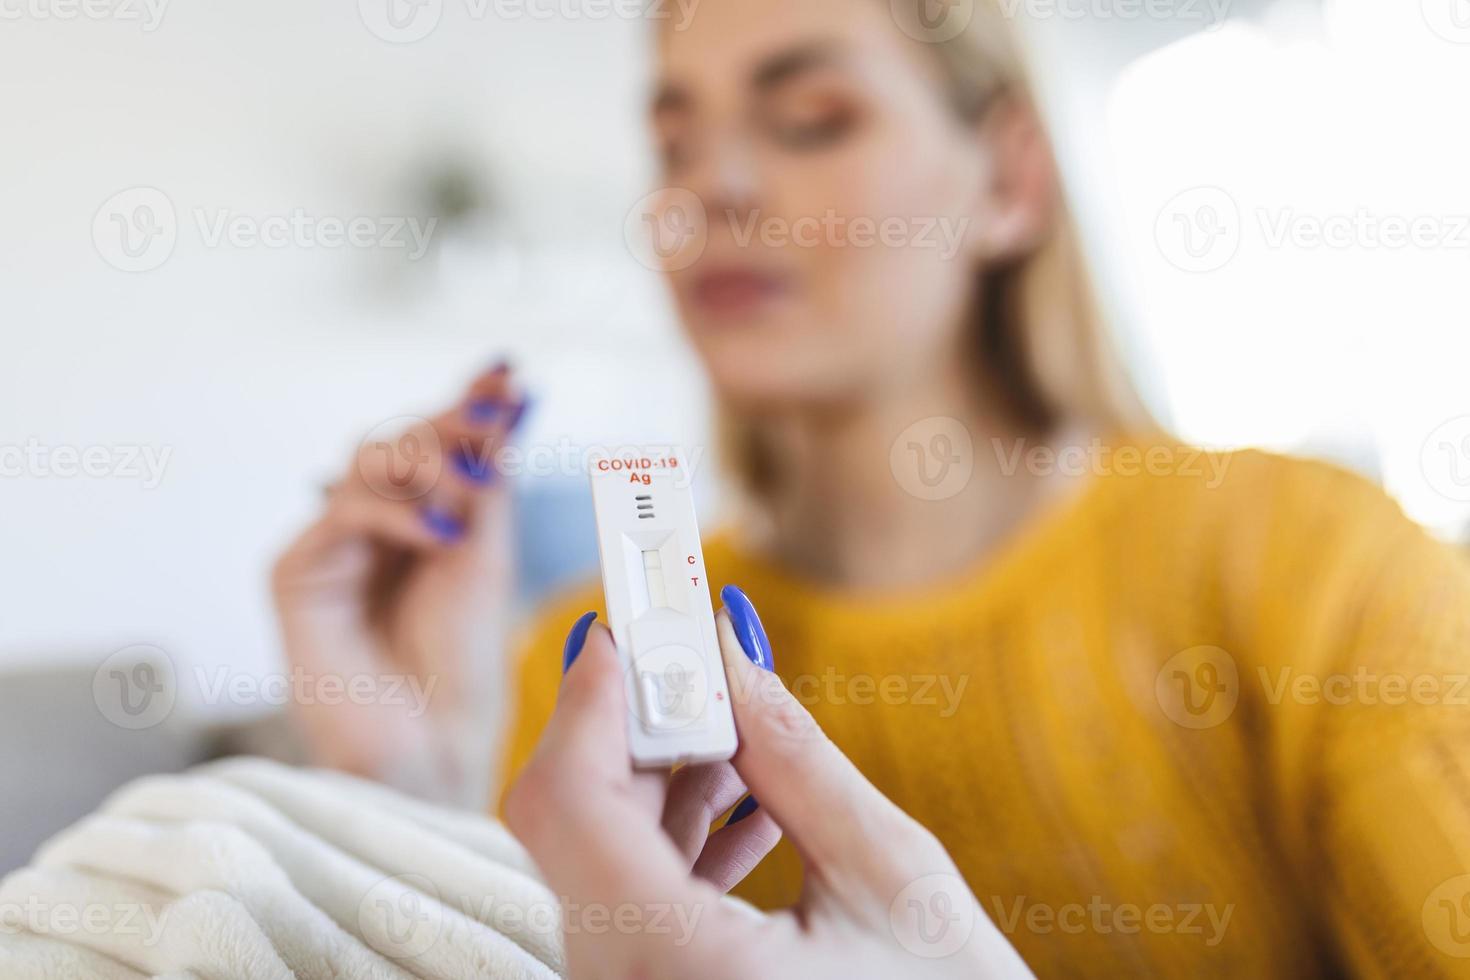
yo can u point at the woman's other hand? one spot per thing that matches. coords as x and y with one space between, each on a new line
643 895
402 588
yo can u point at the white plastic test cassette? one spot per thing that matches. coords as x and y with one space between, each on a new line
659 611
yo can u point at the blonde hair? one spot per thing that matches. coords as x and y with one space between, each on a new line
1040 336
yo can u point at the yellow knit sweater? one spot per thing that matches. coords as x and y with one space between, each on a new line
1183 725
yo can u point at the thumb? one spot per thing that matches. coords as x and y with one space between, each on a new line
842 825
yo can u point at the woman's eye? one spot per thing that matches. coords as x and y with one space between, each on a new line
812 131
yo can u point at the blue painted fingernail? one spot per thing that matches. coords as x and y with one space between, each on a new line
519 414
746 808
445 525
576 640
484 411
748 628
489 411
473 467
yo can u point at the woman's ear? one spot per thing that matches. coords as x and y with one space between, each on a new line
1018 204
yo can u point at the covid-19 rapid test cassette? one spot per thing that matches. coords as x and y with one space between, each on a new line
658 606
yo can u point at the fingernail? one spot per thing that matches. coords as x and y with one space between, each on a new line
485 411
576 640
446 525
748 628
489 411
523 406
746 808
473 468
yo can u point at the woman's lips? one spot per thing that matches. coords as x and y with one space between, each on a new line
737 290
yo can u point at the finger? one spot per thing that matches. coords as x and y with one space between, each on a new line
696 796
575 806
447 463
474 430
348 516
733 851
802 779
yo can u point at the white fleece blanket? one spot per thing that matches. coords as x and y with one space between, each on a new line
249 869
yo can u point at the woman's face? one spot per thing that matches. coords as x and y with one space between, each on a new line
840 193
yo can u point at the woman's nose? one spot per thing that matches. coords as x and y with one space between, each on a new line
725 176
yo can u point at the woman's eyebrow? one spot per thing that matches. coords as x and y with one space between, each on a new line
771 73
781 68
